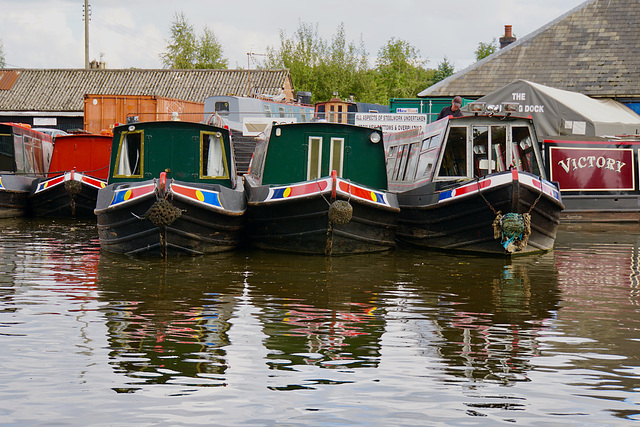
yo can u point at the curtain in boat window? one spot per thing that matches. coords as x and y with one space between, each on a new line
213 156
129 155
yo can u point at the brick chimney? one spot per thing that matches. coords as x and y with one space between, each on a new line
508 37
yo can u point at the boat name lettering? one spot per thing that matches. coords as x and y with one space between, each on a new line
591 162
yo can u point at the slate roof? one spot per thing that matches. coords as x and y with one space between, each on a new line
64 89
593 49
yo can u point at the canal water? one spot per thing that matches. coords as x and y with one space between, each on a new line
253 338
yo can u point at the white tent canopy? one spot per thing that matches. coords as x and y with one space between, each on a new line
560 112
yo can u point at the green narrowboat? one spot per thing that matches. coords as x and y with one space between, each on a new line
173 189
320 188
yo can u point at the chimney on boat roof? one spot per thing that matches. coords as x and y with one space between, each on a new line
508 37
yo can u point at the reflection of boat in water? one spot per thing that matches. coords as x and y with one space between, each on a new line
473 184
320 188
171 327
173 189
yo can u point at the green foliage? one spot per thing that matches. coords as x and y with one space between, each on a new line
401 71
444 70
323 67
209 53
185 51
485 49
319 66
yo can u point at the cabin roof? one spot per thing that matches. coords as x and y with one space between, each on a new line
63 90
593 49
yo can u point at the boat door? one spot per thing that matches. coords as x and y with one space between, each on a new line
325 153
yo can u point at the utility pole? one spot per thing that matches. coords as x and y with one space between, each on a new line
87 17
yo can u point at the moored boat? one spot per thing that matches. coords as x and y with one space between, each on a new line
473 184
79 168
173 189
25 155
320 188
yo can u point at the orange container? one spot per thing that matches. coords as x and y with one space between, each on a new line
104 111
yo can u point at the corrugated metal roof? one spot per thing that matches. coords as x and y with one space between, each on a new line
593 49
64 89
8 78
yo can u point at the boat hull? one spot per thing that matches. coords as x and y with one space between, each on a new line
462 219
70 195
146 222
14 192
305 223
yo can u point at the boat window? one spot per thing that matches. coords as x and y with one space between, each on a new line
523 151
213 160
399 173
414 152
425 144
454 160
303 115
6 152
281 111
222 108
435 141
337 155
315 157
320 110
129 158
499 148
267 110
481 164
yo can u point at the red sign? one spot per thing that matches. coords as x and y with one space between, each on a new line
592 168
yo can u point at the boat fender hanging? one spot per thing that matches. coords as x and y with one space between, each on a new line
340 212
513 230
162 213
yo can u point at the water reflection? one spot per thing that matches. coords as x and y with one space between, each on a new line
395 335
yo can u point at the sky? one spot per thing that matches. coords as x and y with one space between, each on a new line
134 33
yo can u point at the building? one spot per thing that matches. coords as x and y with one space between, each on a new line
55 97
593 49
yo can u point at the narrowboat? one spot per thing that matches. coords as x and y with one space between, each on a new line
172 190
25 155
79 168
320 188
473 184
598 177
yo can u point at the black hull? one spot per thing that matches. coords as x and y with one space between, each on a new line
302 225
13 203
198 230
466 224
57 202
14 192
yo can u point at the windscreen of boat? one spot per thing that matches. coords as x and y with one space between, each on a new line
524 156
489 149
454 159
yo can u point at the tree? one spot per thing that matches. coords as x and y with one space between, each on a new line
186 51
3 62
209 52
485 49
444 70
321 67
401 70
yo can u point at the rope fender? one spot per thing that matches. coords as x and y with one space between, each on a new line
513 230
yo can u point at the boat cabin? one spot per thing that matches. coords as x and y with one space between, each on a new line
299 152
454 149
23 150
83 152
186 151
